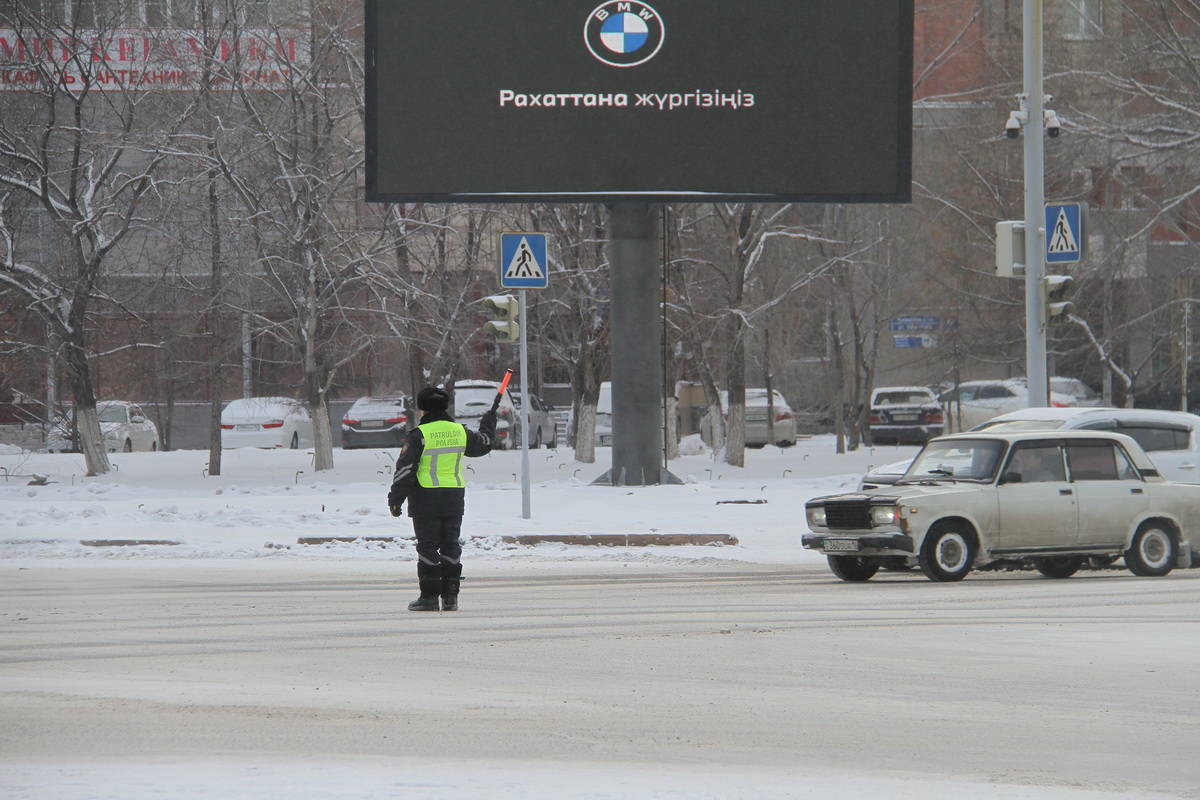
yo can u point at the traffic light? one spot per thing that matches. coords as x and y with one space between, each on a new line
508 327
1055 289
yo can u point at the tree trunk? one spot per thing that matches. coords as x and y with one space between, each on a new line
87 423
322 435
735 443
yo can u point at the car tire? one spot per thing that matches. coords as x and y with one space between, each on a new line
1059 566
295 445
128 447
853 568
1154 551
948 552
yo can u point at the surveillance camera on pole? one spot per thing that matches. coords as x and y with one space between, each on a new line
1012 128
507 307
1053 126
1055 289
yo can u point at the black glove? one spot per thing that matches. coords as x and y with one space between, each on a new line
489 418
396 510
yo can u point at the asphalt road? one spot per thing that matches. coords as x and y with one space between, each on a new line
1089 682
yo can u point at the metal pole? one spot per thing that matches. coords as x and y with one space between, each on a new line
526 388
1035 202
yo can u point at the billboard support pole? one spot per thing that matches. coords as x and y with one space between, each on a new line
637 369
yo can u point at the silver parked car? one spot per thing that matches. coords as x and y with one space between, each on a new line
540 422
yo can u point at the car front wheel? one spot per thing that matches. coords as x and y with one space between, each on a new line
947 553
1153 552
853 568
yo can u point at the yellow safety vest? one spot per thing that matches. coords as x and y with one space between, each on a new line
440 466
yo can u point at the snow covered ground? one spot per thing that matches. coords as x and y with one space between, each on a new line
264 501
238 663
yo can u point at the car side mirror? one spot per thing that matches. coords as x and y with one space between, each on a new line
1011 477
136 420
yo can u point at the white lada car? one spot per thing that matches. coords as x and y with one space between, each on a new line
1054 500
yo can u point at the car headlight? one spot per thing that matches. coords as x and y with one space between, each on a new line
816 516
885 515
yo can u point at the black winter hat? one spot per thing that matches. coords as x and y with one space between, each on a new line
432 398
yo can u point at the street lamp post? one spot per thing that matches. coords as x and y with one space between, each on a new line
1035 201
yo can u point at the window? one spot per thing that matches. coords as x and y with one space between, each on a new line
994 393
1083 19
995 17
1153 438
1037 462
1099 461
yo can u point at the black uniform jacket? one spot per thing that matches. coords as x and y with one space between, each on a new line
443 501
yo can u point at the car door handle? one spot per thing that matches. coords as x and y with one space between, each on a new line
1135 491
1187 466
1065 491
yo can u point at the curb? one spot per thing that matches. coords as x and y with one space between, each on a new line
586 539
127 542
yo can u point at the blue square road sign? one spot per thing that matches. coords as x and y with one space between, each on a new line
523 261
1064 233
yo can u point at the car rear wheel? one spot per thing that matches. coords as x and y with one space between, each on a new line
1059 566
1153 552
947 553
853 568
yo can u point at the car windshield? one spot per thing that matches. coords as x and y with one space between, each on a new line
113 414
1019 425
901 398
957 459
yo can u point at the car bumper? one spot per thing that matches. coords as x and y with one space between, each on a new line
884 543
231 440
905 433
387 437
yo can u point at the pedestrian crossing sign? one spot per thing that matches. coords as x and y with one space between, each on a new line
523 261
1064 233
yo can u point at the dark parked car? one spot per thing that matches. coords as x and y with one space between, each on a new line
904 414
377 422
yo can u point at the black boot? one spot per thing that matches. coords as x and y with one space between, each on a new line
430 579
451 578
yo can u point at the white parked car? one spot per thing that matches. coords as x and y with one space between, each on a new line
126 427
473 398
758 434
1083 394
975 402
1054 500
271 422
1171 439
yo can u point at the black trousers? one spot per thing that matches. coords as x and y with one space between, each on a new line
437 539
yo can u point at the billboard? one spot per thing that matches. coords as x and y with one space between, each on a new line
666 100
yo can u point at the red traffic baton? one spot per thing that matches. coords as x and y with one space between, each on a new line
508 373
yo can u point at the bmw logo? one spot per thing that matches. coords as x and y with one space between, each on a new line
624 33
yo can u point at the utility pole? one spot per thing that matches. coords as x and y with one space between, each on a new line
1035 202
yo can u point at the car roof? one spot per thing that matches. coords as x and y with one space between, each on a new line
1020 436
1085 413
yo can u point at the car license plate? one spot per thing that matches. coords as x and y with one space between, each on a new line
248 427
372 423
905 417
842 545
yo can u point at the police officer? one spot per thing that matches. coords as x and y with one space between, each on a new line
429 475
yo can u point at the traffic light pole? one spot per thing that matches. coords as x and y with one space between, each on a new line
526 389
1035 202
